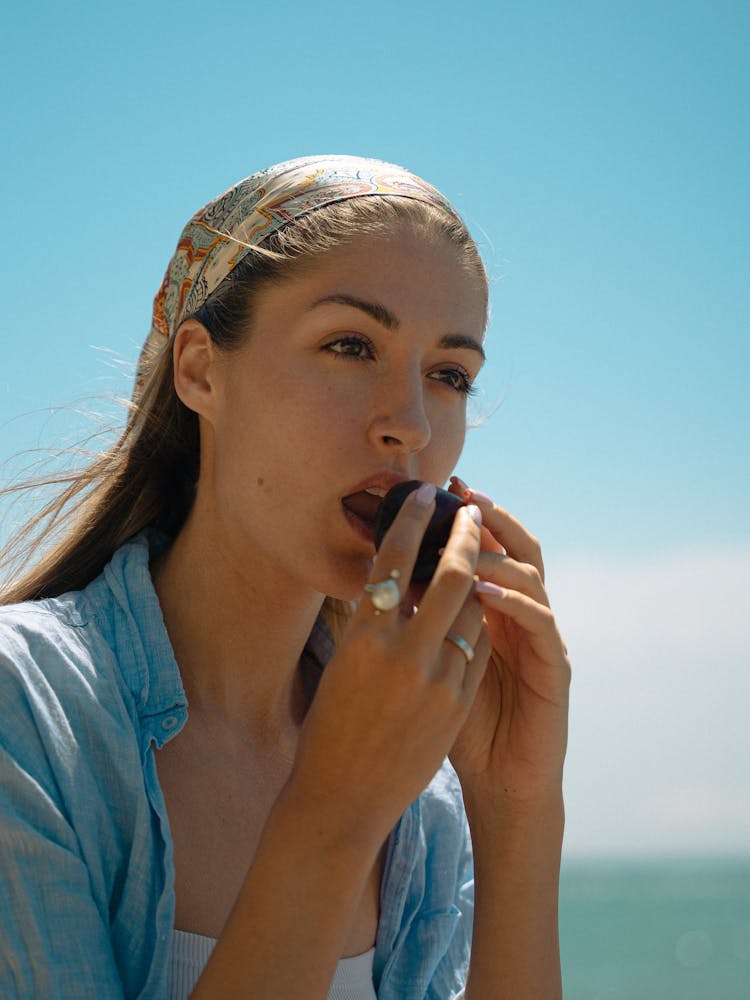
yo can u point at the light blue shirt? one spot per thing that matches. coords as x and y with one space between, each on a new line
88 687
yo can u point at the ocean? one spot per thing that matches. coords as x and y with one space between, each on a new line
656 929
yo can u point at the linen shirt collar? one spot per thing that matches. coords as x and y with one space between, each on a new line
144 651
139 636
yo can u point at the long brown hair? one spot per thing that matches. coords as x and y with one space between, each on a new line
148 477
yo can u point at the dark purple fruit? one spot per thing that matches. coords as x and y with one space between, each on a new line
438 530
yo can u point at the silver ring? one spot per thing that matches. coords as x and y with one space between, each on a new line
385 596
460 643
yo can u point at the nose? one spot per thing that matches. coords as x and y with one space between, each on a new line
400 423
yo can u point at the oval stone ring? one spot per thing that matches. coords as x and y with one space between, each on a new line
386 595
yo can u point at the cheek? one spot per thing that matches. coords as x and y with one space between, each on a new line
446 445
270 441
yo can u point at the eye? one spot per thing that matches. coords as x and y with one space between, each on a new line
351 346
457 379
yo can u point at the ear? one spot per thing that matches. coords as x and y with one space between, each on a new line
194 358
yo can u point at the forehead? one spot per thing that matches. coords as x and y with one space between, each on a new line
415 277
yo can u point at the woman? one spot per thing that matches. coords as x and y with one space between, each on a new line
314 342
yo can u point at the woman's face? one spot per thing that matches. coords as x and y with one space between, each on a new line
354 376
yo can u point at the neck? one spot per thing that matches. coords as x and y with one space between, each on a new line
237 635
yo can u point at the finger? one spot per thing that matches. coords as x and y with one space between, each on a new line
476 669
536 620
509 532
511 574
398 551
468 627
452 581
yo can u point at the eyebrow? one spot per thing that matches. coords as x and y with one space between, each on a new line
391 322
460 340
378 312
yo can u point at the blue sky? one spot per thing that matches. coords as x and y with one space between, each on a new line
600 154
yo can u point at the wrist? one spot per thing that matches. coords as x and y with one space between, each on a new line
528 824
326 835
490 798
517 848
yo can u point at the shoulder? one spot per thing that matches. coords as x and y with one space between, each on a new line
53 645
59 684
70 761
40 625
75 829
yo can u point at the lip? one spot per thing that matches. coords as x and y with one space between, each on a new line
384 480
380 481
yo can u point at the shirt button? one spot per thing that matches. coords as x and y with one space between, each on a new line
169 723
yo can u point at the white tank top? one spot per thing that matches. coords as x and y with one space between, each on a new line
189 953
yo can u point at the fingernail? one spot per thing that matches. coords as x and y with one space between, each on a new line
460 483
482 497
425 494
492 589
474 513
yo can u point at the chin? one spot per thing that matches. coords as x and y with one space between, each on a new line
348 584
342 593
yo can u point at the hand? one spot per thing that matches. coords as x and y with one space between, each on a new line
514 739
395 695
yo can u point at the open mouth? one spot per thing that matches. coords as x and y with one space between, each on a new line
363 508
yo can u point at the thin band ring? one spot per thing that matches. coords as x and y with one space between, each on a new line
460 643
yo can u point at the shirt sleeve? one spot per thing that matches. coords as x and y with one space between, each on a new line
427 909
54 936
449 979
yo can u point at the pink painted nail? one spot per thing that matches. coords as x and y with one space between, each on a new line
482 498
425 494
474 513
491 589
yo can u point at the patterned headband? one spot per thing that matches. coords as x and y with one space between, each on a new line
224 231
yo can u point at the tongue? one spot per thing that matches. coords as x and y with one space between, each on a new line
363 504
